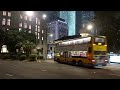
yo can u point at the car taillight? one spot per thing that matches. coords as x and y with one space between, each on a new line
93 60
106 60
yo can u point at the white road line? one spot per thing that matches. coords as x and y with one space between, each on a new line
9 75
114 74
44 70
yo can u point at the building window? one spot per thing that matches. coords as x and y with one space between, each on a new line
21 16
9 14
29 26
36 33
30 19
42 38
38 26
42 31
4 13
38 37
39 23
8 22
3 22
25 17
30 31
20 24
20 29
36 20
7 29
38 30
25 25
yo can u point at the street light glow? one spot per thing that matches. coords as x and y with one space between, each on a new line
44 16
51 35
89 27
29 13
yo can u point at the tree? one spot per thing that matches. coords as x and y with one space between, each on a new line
27 46
15 40
2 38
108 24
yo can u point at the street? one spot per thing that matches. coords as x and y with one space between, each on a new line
53 70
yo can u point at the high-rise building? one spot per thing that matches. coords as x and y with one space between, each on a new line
84 18
56 29
19 20
76 19
70 19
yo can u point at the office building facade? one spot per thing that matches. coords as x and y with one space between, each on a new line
56 29
18 20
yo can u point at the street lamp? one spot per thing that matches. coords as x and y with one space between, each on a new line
90 26
51 35
29 13
44 16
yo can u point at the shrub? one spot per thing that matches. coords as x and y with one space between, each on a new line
14 57
23 57
33 57
5 56
40 57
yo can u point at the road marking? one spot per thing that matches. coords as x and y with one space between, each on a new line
114 74
9 75
43 70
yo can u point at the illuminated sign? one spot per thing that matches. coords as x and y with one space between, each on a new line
76 41
79 53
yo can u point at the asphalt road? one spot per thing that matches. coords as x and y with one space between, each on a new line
53 70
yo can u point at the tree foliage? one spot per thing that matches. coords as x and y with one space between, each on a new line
15 40
108 24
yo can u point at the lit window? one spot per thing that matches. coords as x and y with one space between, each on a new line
29 26
20 24
4 13
3 22
20 29
8 22
38 26
25 25
7 29
35 33
38 30
9 14
30 31
21 16
39 23
38 34
36 20
30 19
38 37
42 31
25 17
42 38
